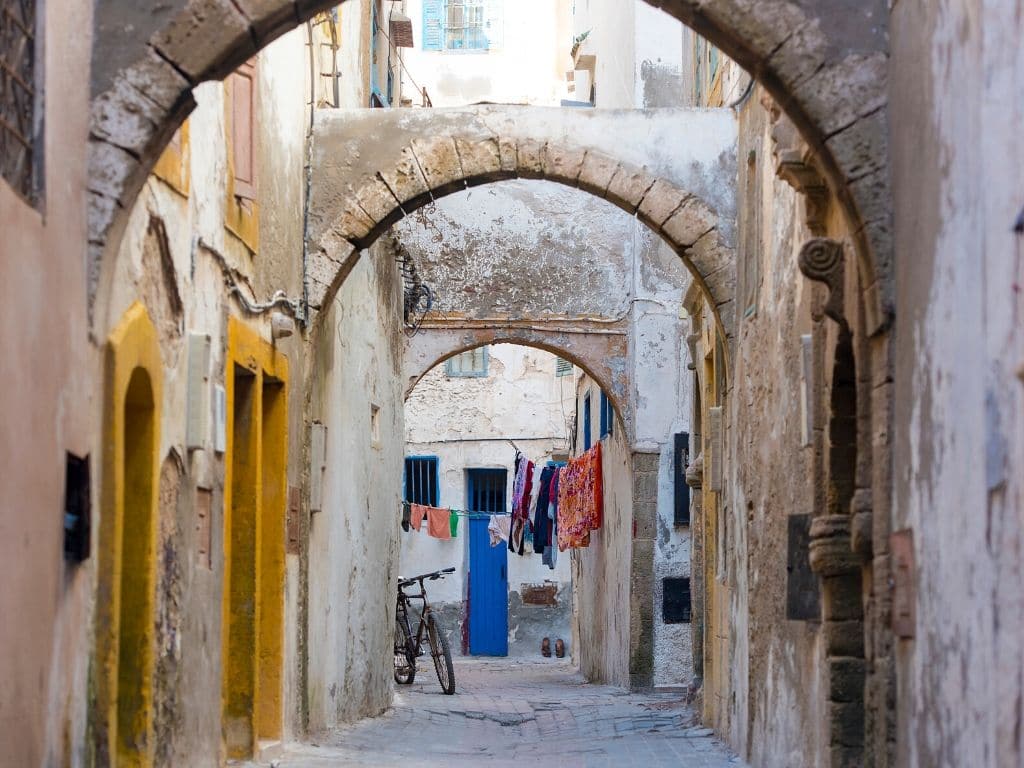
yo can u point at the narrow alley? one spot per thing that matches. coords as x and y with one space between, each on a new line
675 347
509 714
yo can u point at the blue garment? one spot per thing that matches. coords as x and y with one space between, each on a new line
541 536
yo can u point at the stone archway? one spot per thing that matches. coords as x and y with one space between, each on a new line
825 63
373 170
602 353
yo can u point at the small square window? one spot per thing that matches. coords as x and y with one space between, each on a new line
675 601
422 481
472 363
563 367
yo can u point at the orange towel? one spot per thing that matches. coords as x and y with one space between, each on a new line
439 523
416 513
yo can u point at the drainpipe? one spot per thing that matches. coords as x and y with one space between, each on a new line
304 316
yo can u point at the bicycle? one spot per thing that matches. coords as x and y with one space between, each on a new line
409 647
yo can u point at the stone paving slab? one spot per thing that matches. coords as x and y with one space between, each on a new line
519 713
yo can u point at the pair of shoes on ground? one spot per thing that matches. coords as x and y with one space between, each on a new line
545 648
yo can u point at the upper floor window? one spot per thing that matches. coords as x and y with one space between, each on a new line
607 416
473 362
20 99
243 130
586 422
563 367
462 25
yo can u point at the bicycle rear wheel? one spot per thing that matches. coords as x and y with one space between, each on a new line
405 660
442 656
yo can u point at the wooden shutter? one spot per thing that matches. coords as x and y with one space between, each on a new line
243 130
433 28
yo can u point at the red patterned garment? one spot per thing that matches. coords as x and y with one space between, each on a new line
580 500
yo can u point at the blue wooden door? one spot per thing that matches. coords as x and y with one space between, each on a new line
488 566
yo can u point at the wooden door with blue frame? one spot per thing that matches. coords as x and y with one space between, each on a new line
488 566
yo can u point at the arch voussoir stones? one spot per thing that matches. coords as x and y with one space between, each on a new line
366 184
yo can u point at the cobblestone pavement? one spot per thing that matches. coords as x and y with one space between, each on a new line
509 713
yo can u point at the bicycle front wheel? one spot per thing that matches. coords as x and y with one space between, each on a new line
442 656
405 660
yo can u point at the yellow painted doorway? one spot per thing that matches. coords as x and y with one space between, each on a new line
254 541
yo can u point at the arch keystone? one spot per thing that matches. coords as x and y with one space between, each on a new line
532 159
563 164
439 159
481 160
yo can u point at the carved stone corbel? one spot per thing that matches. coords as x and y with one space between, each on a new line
831 553
695 473
821 260
794 164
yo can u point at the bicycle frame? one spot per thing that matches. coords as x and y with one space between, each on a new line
404 604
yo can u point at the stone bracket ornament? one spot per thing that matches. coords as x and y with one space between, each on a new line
831 550
794 164
821 260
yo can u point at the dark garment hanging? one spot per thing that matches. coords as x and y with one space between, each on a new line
540 514
406 515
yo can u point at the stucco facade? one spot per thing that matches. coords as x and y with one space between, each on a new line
856 401
472 423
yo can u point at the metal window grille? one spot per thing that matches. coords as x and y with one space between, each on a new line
473 362
421 480
563 367
486 490
18 95
465 25
676 606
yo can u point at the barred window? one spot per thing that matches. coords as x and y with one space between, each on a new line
19 97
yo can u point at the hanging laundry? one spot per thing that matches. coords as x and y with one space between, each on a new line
550 557
439 523
406 516
416 514
521 490
540 515
580 500
499 529
454 525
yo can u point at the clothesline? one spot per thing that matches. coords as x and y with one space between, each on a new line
567 506
466 513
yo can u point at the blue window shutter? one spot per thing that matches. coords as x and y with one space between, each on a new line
433 25
586 423
494 24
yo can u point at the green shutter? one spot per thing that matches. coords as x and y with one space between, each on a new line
433 25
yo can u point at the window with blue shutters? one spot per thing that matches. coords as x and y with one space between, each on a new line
607 416
422 480
462 25
586 422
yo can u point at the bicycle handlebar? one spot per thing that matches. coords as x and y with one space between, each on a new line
424 576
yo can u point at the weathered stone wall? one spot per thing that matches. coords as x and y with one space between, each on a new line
467 422
956 78
776 680
49 407
602 573
353 540
176 257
